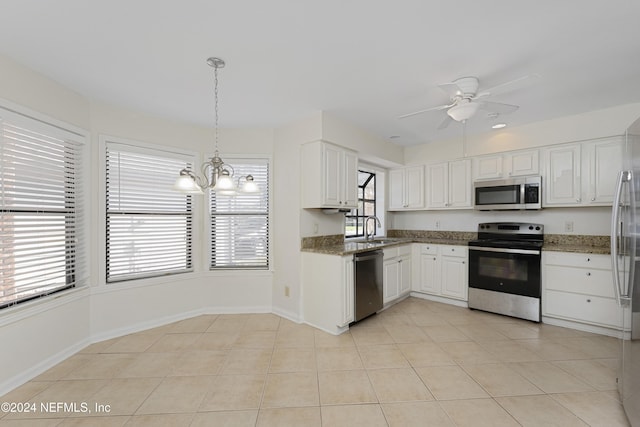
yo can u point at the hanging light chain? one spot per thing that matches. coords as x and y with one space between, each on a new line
215 94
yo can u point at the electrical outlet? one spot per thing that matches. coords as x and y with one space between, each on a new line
568 226
437 225
315 228
286 291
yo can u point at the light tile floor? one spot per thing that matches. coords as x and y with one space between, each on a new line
419 363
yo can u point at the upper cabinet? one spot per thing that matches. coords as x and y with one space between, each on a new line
329 176
582 174
449 185
406 188
506 165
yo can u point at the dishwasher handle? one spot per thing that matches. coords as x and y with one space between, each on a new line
367 256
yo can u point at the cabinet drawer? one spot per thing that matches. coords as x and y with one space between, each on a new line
584 308
452 250
578 260
390 253
590 281
428 249
404 250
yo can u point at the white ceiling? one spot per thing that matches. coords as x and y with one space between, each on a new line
364 61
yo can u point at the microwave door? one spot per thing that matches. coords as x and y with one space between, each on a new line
499 196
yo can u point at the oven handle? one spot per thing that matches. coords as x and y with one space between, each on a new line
505 250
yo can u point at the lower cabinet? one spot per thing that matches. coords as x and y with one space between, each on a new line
443 271
328 291
397 273
579 287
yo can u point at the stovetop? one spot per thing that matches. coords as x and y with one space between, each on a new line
517 235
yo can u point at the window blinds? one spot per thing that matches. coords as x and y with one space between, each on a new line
149 225
239 224
41 213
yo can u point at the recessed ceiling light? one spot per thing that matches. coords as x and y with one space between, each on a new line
499 126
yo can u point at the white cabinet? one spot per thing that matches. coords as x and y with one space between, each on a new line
562 177
328 291
449 185
396 272
603 160
582 174
506 165
406 188
329 176
443 271
579 287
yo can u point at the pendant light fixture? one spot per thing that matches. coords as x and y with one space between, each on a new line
217 175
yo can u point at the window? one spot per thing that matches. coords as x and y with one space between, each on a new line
239 224
41 210
366 205
149 225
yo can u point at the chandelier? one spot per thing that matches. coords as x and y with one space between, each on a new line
216 174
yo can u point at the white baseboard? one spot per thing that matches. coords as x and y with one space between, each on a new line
41 367
616 333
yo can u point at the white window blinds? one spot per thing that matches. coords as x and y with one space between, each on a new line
239 224
41 211
149 225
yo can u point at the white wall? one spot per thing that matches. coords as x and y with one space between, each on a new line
590 221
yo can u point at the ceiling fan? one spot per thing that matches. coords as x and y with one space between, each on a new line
466 100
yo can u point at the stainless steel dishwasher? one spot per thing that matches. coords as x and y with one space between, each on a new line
368 283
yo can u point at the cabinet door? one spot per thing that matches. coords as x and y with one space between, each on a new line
405 275
604 161
390 280
350 180
414 187
429 280
563 175
348 304
454 277
396 189
332 175
437 185
523 163
459 184
487 167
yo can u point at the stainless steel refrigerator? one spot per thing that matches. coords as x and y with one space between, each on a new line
625 257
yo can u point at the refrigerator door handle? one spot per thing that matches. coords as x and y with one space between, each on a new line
615 235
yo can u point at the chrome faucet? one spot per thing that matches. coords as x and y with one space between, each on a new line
366 223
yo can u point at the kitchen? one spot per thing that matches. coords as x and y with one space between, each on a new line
279 291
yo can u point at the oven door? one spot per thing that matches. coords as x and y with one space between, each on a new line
514 271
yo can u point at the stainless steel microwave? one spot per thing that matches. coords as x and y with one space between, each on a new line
508 194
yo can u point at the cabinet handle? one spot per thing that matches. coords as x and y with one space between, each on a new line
453 249
593 199
463 262
588 299
578 199
434 258
589 274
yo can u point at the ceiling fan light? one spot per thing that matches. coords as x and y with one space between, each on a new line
463 111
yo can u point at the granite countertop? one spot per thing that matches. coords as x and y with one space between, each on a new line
335 244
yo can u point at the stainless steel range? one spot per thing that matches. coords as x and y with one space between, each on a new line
504 269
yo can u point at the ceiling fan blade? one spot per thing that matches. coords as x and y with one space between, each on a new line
519 83
498 107
445 123
440 107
